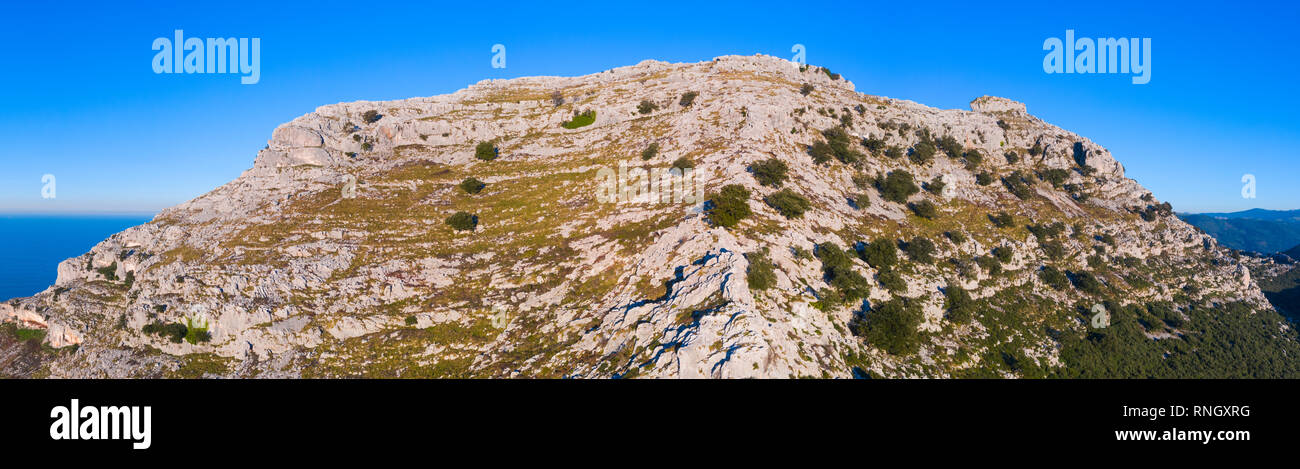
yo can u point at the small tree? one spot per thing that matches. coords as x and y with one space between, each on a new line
936 185
646 107
1053 278
1002 220
371 116
683 164
881 254
472 186
922 152
650 151
897 187
557 98
729 206
920 249
761 274
486 151
925 209
770 172
892 326
463 221
789 203
688 98
806 89
959 304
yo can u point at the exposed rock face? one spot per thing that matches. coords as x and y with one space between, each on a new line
295 279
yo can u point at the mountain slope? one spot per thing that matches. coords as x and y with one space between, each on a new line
294 276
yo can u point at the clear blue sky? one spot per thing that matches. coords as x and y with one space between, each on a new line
81 101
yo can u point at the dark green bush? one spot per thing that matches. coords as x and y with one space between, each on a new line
1002 220
761 274
950 146
646 107
472 186
463 221
1086 283
650 151
956 237
892 281
688 98
1003 253
892 326
925 209
1012 157
881 254
1053 249
174 332
806 89
894 152
936 185
683 164
973 157
837 268
770 172
983 179
729 206
961 309
874 144
486 151
1015 183
920 249
922 152
109 273
1054 278
1056 176
410 320
841 145
989 263
898 186
789 203
821 152
371 116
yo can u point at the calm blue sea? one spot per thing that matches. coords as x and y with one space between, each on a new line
33 246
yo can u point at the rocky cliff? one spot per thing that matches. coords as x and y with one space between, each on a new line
331 256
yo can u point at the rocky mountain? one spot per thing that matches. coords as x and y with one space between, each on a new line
476 235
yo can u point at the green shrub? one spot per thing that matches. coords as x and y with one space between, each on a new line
646 107
789 203
1056 176
950 146
371 116
1053 249
109 273
1036 150
881 254
983 179
862 201
688 98
892 326
1002 220
472 186
837 268
557 98
1046 232
920 249
650 151
922 152
1053 278
174 332
841 145
463 221
729 206
682 164
583 119
486 151
770 172
959 304
956 237
894 152
973 157
990 264
1087 283
1015 183
1003 253
367 146
862 180
892 281
874 144
936 185
897 187
761 274
925 209
1012 157
806 89
821 152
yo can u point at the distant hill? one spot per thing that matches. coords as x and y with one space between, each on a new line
1259 230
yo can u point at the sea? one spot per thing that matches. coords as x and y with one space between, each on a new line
33 246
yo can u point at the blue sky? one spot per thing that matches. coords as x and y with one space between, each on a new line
81 101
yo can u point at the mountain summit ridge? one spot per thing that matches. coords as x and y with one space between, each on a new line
335 255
